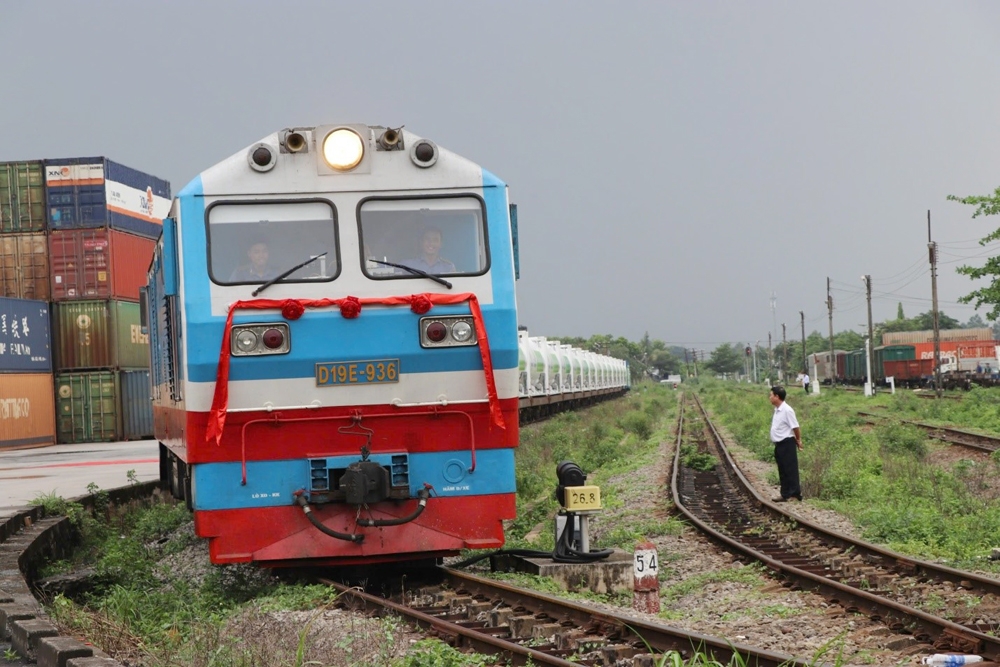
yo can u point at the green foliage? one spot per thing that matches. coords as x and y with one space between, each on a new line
692 458
435 653
990 293
895 437
57 506
726 359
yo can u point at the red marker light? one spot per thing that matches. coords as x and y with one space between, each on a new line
436 332
273 339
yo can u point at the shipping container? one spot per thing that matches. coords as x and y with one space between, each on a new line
907 371
25 338
964 349
821 367
911 337
27 410
136 404
96 192
87 407
98 334
22 197
98 264
856 366
24 266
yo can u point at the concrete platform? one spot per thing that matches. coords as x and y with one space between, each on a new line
610 575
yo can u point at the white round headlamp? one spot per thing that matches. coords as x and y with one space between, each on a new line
343 149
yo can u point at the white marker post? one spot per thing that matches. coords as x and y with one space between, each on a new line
645 579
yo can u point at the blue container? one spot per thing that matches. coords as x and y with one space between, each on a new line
137 407
89 192
25 339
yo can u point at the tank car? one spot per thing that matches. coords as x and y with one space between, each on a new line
332 320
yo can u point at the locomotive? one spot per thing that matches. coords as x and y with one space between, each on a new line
334 350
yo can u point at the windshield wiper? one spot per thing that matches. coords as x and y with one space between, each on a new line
436 279
285 274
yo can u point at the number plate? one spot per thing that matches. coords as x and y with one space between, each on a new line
583 498
342 373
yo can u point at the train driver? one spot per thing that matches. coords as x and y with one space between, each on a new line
430 260
258 269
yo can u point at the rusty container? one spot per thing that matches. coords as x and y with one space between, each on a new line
24 266
927 336
22 197
27 410
98 335
98 264
88 407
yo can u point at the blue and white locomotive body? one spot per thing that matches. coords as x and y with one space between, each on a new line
362 407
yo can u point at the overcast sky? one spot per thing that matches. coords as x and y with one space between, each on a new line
674 163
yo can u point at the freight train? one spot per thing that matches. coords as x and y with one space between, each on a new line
335 351
963 363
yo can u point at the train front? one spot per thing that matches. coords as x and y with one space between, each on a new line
348 341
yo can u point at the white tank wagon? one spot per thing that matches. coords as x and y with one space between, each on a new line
555 376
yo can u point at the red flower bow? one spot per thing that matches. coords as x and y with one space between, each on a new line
420 304
292 309
350 307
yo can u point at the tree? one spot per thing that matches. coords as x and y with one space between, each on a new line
899 312
975 322
726 359
990 294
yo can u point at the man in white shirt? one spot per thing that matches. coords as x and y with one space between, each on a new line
787 439
805 382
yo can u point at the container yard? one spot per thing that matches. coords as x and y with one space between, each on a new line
76 240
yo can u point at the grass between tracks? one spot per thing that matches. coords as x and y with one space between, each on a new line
885 477
145 612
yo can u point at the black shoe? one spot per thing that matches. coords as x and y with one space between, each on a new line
798 498
779 499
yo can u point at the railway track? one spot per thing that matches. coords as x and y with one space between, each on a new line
522 626
978 441
947 610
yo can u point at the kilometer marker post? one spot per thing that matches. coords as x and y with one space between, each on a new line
645 578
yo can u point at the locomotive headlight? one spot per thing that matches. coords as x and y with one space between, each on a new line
246 340
343 149
461 331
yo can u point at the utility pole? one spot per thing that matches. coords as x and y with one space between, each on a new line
784 352
770 356
694 353
774 329
756 376
932 251
687 364
805 367
871 332
829 308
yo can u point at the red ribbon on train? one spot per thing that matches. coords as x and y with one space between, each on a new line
350 308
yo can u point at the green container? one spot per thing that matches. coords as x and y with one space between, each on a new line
22 197
891 353
854 365
98 334
87 407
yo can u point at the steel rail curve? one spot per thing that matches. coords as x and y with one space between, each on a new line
945 634
630 637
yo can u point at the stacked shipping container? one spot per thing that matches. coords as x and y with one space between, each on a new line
80 233
27 416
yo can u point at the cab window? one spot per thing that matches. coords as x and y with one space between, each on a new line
253 242
441 236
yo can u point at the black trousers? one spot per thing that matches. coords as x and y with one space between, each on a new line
787 456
